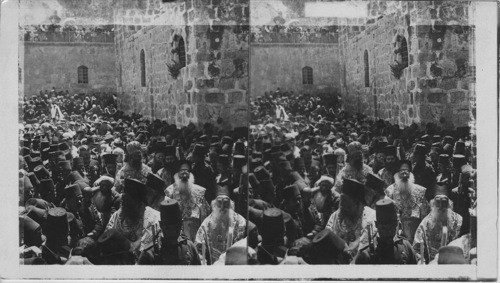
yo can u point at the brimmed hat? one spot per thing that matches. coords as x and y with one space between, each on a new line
170 212
354 189
155 182
375 183
386 211
273 227
451 255
135 189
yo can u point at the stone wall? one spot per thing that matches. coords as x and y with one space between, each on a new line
280 66
439 79
213 83
46 65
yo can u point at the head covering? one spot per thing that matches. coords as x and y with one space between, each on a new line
222 189
109 158
375 183
326 247
199 150
57 223
354 189
155 182
133 146
353 147
329 158
459 148
170 150
223 159
170 212
407 162
237 255
112 242
64 165
291 192
135 189
444 159
273 227
390 150
459 160
386 211
420 150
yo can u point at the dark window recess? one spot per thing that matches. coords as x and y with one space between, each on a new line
404 51
307 75
83 75
367 69
182 52
143 69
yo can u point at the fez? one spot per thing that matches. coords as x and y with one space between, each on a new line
112 242
291 192
41 172
135 189
262 174
354 189
444 159
375 183
64 165
420 150
254 163
222 189
326 247
33 179
57 223
155 182
170 212
458 160
223 159
273 227
46 186
199 150
239 161
386 212
31 231
459 148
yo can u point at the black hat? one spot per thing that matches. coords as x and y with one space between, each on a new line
354 189
451 255
420 150
112 242
63 146
239 161
109 158
38 202
45 154
261 173
459 148
239 148
155 182
39 215
223 159
25 151
375 183
298 163
30 231
35 161
222 189
53 147
459 160
440 188
285 164
46 187
329 158
227 140
181 163
170 212
73 191
326 246
291 192
444 158
390 150
448 140
64 165
57 222
273 227
255 162
33 179
407 162
252 180
386 211
199 150
170 150
135 189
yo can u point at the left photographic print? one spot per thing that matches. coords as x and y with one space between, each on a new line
133 132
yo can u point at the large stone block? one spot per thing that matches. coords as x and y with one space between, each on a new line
437 97
215 98
458 97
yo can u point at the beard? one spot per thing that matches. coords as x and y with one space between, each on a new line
402 185
357 163
184 187
220 217
440 216
351 215
136 163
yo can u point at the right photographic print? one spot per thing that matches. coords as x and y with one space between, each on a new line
362 132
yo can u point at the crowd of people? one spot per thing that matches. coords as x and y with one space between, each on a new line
305 183
328 187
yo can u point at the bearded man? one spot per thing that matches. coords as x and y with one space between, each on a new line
409 199
431 234
135 219
134 168
324 202
221 229
350 221
167 172
355 167
390 165
190 197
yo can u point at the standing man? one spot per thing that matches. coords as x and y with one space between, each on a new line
170 246
387 247
355 168
134 168
390 165
409 199
168 170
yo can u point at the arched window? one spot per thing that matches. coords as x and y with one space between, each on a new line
307 75
367 69
83 75
143 68
182 51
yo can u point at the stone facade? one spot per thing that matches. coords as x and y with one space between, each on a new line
213 82
279 65
49 64
438 79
